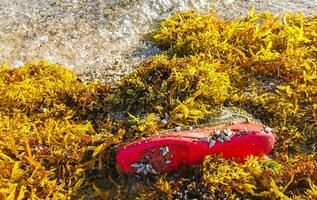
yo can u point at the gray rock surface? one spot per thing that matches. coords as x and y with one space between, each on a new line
103 39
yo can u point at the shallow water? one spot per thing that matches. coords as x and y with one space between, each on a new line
103 38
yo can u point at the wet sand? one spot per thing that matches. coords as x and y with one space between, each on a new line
104 39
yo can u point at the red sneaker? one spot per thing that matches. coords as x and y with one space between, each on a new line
168 151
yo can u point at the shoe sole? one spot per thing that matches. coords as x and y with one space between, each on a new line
173 150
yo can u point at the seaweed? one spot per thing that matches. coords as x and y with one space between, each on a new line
59 136
47 144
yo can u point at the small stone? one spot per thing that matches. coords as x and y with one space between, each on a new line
220 139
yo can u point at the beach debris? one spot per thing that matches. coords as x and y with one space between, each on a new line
175 147
164 121
178 128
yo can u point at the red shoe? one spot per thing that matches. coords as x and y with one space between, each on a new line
168 151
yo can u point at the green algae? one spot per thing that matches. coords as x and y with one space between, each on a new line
59 139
